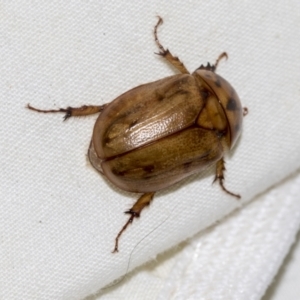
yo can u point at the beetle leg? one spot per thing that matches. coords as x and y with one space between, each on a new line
220 177
213 68
84 110
134 212
173 60
222 55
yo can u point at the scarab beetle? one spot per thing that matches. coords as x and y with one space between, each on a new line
161 132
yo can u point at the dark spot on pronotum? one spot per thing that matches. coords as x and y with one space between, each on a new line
231 104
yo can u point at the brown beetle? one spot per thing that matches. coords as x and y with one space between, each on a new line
161 132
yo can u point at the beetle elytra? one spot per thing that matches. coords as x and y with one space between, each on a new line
158 133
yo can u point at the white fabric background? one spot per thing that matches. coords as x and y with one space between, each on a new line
59 218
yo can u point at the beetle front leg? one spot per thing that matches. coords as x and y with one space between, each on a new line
213 68
84 110
134 212
220 177
173 60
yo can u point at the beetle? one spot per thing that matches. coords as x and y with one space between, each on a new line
158 133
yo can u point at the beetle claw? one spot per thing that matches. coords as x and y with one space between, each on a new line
213 68
159 53
68 114
133 213
209 67
221 182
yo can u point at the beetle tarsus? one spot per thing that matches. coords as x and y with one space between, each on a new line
163 53
68 114
121 231
220 177
245 111
134 212
221 182
83 110
173 60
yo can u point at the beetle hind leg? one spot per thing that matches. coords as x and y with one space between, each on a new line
173 60
134 212
84 110
220 177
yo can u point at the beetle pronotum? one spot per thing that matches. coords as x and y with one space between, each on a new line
158 133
